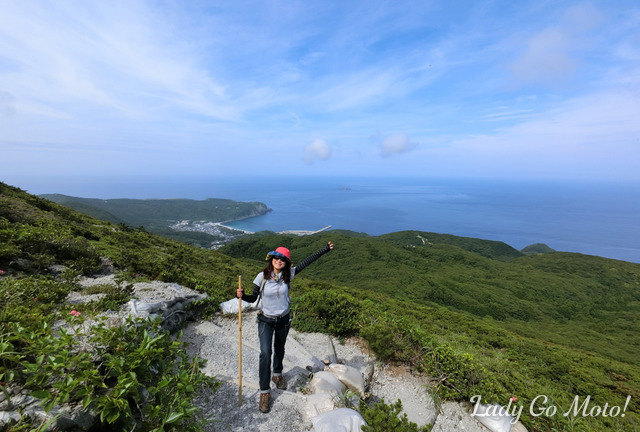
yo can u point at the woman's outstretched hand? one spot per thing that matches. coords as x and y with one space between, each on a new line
239 292
330 246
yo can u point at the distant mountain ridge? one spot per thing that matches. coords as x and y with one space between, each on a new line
157 215
141 212
537 248
486 248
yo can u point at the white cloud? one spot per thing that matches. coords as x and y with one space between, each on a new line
215 83
317 150
556 52
546 58
119 59
396 144
582 137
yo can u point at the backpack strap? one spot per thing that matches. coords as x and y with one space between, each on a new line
262 284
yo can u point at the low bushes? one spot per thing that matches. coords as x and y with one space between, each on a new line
132 375
382 417
466 356
327 311
394 336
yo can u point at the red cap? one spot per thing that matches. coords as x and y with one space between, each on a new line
284 251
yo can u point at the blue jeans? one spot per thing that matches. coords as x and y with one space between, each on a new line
272 333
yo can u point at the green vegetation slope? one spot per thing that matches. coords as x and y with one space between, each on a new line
142 212
484 322
558 323
155 215
576 300
537 248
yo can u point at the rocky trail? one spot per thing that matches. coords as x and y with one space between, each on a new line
216 340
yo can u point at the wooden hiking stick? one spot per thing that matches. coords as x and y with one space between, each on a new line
239 343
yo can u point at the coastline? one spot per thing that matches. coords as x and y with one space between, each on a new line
222 225
304 232
294 232
580 216
226 233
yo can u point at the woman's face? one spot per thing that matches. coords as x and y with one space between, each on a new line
278 264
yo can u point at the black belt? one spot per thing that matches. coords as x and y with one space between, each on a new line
274 317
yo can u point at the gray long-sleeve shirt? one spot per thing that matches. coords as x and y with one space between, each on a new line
275 294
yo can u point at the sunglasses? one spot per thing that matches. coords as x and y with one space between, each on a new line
279 259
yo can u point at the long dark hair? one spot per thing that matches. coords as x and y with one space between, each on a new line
286 271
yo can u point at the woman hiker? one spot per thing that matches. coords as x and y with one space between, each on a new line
273 318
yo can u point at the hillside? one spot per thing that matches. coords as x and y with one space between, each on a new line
571 299
141 212
165 216
543 315
561 325
486 248
537 248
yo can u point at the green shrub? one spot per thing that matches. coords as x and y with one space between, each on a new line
45 243
461 376
134 375
115 296
382 417
30 300
326 310
382 338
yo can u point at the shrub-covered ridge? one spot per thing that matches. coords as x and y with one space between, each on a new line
559 325
477 325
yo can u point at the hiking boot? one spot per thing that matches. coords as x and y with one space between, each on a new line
265 398
280 382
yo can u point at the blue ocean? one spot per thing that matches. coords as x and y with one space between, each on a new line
592 218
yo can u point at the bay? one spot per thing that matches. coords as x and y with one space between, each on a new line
596 218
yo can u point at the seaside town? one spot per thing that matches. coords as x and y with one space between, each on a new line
223 234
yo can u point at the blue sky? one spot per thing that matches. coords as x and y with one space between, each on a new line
530 89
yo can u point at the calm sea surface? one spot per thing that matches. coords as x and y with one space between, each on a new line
591 218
